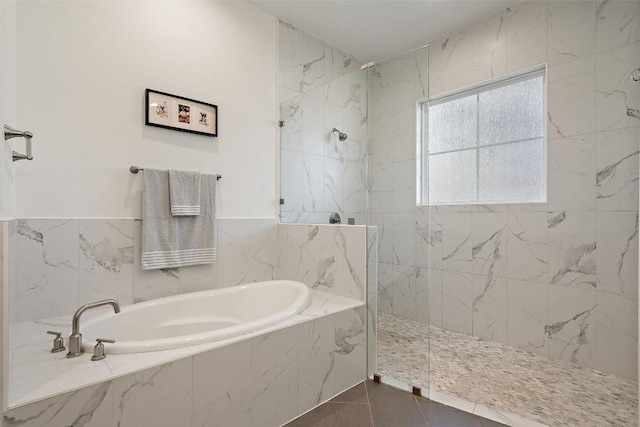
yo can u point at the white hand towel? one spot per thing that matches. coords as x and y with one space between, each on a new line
184 193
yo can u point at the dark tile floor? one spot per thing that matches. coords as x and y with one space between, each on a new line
370 404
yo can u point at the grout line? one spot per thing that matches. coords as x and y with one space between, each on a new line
366 390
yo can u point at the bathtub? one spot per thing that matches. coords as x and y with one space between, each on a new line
196 318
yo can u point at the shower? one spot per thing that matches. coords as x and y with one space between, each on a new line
341 135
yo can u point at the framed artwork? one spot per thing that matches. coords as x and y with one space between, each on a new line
168 111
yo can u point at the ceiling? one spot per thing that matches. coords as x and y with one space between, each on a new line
376 30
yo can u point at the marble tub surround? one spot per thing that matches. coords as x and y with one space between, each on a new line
37 374
321 88
501 382
557 278
60 264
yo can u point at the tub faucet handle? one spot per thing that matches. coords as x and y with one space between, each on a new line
98 350
58 342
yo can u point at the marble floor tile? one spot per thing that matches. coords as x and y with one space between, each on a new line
538 388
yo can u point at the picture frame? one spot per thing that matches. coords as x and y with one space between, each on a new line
174 112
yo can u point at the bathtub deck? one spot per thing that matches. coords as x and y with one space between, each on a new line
36 373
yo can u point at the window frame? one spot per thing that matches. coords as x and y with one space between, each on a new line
422 113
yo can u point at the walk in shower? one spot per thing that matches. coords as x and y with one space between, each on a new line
519 309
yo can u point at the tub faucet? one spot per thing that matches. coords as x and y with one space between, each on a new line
75 339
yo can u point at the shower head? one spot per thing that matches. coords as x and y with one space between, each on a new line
341 135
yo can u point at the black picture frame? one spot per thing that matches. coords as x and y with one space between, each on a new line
168 111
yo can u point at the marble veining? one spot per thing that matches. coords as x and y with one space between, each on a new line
546 390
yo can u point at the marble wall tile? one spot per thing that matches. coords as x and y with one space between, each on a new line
88 407
291 113
526 35
380 139
169 384
350 254
306 255
617 169
617 24
457 247
456 58
403 186
435 297
404 291
617 240
380 89
572 327
290 185
571 98
527 249
489 38
313 177
385 235
617 97
221 384
151 284
381 187
274 377
571 33
489 244
291 56
428 240
404 134
313 67
333 185
385 287
315 362
490 308
457 300
572 249
46 283
571 174
105 260
313 133
248 251
355 187
199 278
349 349
618 334
403 238
527 315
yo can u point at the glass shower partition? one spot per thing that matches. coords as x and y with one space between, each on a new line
396 88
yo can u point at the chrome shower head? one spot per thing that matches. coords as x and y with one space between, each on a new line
341 135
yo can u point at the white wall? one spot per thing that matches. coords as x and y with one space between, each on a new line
7 104
82 70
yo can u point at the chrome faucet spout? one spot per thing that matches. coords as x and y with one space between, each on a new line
75 339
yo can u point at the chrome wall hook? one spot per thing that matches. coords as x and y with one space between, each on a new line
10 133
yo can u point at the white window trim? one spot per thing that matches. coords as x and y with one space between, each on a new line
422 131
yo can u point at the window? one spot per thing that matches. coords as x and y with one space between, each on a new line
486 144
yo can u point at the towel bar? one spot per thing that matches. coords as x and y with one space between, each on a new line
136 169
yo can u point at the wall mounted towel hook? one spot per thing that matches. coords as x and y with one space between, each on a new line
10 133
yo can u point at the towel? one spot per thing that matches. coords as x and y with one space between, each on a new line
168 241
184 193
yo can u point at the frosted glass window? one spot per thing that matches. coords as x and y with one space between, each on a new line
452 176
454 125
487 144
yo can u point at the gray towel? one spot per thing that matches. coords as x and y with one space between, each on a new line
184 193
168 241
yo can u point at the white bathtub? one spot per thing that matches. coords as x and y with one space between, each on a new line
196 318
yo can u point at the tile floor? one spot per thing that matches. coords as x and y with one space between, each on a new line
535 387
377 405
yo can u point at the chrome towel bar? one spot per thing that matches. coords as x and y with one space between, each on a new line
136 169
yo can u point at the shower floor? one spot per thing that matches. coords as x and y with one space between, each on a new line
538 388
